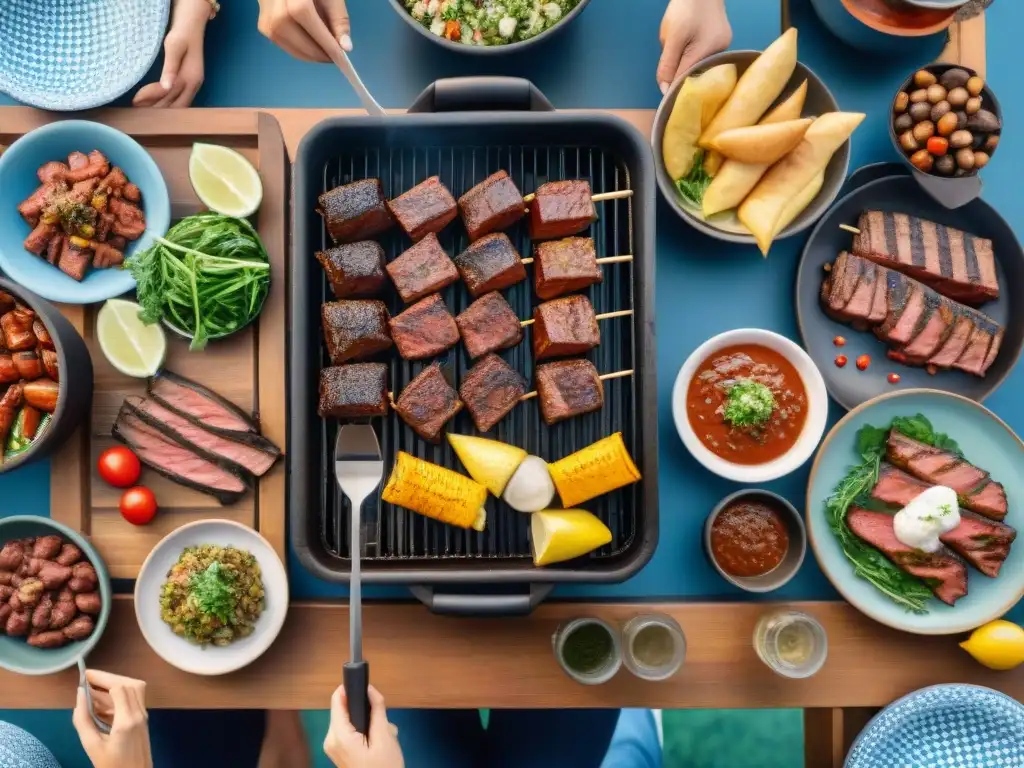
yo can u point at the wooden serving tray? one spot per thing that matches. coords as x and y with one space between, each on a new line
248 368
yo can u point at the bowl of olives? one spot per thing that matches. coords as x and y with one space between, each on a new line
946 124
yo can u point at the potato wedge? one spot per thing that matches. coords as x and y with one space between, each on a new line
761 144
763 208
799 204
759 86
699 98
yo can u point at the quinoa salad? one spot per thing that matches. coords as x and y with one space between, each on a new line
489 22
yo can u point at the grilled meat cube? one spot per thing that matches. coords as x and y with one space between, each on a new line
568 388
38 239
422 269
561 209
7 302
17 328
355 328
489 324
129 220
354 269
104 225
565 326
201 405
28 364
54 248
490 390
428 403
74 261
42 334
31 208
132 192
941 571
954 263
42 394
52 171
8 370
93 166
490 264
495 203
564 266
350 391
113 183
82 193
355 211
10 402
50 363
427 207
104 255
425 329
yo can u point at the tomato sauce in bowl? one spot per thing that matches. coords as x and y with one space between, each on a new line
748 538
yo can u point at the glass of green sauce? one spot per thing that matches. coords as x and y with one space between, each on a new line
588 650
653 646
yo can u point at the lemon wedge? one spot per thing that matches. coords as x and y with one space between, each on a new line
131 346
997 645
224 180
562 534
490 462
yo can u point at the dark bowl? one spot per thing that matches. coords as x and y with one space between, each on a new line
485 50
74 399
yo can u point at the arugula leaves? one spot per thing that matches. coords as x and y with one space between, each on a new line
693 186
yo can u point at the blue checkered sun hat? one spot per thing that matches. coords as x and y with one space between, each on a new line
945 726
66 55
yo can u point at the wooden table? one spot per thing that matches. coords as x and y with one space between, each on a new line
422 660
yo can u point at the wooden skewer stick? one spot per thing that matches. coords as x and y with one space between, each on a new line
605 260
618 195
604 377
605 316
848 228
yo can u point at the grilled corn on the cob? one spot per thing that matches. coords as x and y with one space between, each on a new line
593 471
436 492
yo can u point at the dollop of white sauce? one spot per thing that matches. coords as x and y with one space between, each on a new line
931 514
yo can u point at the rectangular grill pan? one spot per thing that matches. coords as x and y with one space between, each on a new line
464 130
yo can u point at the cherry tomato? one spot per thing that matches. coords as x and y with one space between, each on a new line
840 361
138 505
119 467
839 341
894 378
863 362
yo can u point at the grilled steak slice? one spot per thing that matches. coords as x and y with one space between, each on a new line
568 388
956 264
422 270
940 467
565 326
564 266
355 329
201 406
490 390
495 203
428 403
897 487
941 571
561 209
985 544
355 211
74 261
984 342
425 329
174 461
239 456
935 327
354 269
956 342
38 239
350 391
489 324
490 264
427 207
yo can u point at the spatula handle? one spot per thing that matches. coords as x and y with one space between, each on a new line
357 679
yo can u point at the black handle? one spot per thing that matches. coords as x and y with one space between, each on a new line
357 679
481 605
481 94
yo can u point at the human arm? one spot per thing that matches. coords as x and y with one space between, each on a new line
347 748
306 28
690 31
120 701
183 69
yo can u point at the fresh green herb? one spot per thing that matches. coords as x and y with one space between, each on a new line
945 509
749 404
208 276
693 186
919 428
214 593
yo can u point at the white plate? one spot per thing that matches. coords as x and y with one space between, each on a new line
210 660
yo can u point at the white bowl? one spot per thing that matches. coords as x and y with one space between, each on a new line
817 403
210 660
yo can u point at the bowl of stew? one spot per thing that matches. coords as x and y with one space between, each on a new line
750 405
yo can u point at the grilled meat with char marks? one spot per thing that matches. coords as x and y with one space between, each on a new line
201 405
489 324
427 207
491 389
82 167
17 329
38 239
564 266
561 209
493 204
565 326
355 329
421 270
568 388
354 269
74 261
353 390
490 264
428 403
425 329
355 211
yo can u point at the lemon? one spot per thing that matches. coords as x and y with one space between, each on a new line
131 346
224 180
489 462
997 645
562 534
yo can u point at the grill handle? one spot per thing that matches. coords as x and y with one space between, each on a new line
481 94
446 604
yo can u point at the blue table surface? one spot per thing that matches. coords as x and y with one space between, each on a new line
607 60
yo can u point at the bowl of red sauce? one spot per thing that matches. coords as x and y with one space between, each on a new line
756 540
750 405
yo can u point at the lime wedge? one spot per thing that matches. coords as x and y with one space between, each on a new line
562 534
224 180
131 346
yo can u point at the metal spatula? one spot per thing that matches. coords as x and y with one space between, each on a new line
359 468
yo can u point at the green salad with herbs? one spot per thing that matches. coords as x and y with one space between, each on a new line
489 22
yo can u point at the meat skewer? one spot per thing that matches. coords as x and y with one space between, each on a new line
598 198
602 316
602 377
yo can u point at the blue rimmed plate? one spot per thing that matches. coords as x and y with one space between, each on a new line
944 726
987 442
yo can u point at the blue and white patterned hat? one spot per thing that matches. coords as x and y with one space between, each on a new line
944 726
66 55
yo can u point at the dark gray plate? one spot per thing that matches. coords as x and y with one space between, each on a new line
899 192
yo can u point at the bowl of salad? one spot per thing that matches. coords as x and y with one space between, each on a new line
488 26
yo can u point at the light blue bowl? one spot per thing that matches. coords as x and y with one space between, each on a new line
18 180
987 442
944 726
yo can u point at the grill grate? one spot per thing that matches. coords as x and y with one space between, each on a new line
396 535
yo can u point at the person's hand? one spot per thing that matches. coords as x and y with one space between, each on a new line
307 29
690 31
120 701
183 58
347 748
